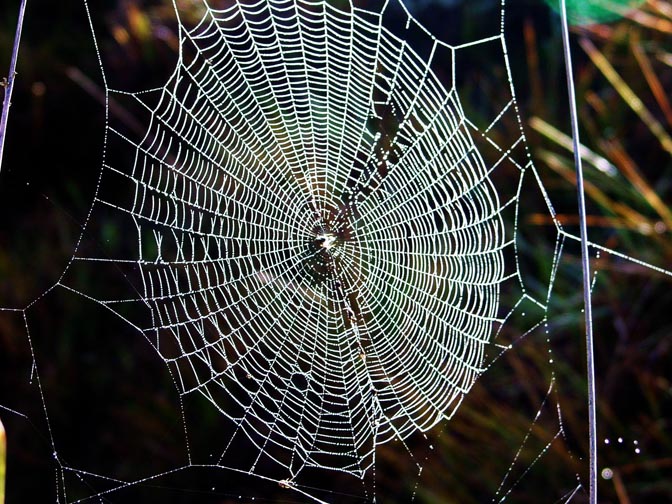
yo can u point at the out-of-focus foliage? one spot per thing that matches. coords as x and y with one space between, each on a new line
582 12
624 79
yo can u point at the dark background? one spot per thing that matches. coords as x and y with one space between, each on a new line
114 410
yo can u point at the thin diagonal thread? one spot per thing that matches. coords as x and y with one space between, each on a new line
592 424
10 80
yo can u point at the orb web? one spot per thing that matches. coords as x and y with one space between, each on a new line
317 227
320 243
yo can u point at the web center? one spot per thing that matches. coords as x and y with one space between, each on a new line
325 240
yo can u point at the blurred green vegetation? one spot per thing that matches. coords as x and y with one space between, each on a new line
584 12
109 398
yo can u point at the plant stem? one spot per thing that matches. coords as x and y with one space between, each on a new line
592 422
9 85
3 462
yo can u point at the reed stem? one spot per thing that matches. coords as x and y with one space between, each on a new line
8 82
3 462
588 311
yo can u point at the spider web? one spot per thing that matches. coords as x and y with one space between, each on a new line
320 245
314 198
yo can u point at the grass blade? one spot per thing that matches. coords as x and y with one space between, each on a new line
627 94
3 462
